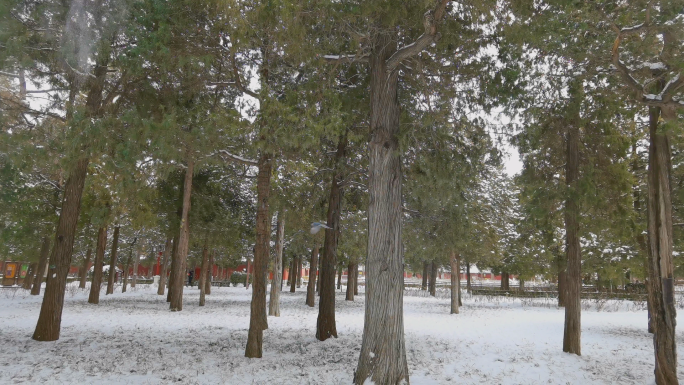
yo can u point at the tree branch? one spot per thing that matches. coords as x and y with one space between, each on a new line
235 158
238 82
431 19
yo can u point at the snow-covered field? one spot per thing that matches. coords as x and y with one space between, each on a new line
134 338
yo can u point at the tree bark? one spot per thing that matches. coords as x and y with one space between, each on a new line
274 300
350 282
112 262
176 291
50 318
458 280
433 278
96 284
661 271
424 284
42 266
293 274
572 331
207 283
136 263
299 272
339 278
282 273
247 277
468 281
175 269
356 279
313 278
84 269
165 261
203 273
29 276
453 260
562 278
127 266
257 317
383 353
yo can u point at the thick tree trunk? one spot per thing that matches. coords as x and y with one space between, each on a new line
313 278
257 317
426 273
356 279
165 261
274 300
175 269
96 284
50 318
112 262
84 268
176 291
383 353
454 282
433 278
661 271
326 326
572 331
203 273
468 281
42 266
350 281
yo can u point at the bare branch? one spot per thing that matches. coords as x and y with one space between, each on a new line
238 82
235 158
346 58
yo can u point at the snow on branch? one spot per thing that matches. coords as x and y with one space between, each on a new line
430 20
346 58
236 158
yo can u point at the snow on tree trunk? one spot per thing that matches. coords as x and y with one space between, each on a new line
96 284
383 353
313 278
112 262
274 299
175 268
454 282
572 330
84 268
660 242
50 318
257 317
176 291
42 266
203 274
165 261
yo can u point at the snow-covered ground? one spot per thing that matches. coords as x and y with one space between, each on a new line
134 338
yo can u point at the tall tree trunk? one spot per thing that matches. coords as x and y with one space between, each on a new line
458 280
136 263
203 273
433 278
96 284
257 317
572 331
293 274
356 279
84 269
313 278
454 282
50 318
176 291
274 300
426 272
112 262
326 326
42 266
350 282
468 280
299 272
339 278
562 264
127 266
165 261
207 282
383 352
661 271
29 276
175 269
